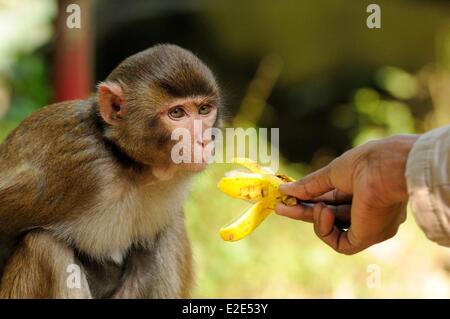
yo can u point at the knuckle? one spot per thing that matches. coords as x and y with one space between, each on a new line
371 144
354 249
305 191
390 233
404 218
347 252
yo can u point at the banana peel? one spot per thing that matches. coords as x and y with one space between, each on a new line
259 186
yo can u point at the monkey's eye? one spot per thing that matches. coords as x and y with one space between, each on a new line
176 112
204 109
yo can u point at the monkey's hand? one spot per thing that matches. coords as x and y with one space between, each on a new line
259 187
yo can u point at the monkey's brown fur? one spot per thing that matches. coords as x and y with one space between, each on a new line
76 190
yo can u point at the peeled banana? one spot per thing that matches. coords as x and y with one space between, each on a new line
259 186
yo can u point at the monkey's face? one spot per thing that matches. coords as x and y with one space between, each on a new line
160 105
172 134
189 122
159 130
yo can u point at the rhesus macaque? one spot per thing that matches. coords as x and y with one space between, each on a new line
92 183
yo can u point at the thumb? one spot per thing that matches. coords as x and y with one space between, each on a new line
313 185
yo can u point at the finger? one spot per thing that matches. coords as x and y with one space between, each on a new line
304 212
364 230
342 212
298 212
403 214
323 220
311 186
325 229
334 197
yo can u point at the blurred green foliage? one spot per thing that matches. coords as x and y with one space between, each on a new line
25 27
30 89
284 259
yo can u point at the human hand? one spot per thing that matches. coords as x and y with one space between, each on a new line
365 186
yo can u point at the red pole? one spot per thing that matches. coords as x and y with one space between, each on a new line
72 77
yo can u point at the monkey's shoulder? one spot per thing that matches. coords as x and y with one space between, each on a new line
48 162
54 126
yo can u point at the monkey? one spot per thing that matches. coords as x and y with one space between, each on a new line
90 185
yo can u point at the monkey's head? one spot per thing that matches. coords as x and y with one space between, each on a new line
153 93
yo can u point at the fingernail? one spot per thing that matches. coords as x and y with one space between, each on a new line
278 208
285 186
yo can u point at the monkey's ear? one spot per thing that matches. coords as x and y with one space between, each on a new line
111 102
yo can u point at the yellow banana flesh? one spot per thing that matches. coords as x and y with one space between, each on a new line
245 224
259 187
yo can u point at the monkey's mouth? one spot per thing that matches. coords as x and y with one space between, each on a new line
195 157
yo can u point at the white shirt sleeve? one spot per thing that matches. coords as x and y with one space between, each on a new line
428 182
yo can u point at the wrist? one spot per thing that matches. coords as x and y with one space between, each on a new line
401 146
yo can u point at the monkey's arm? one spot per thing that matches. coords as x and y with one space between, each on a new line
14 208
162 269
39 267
